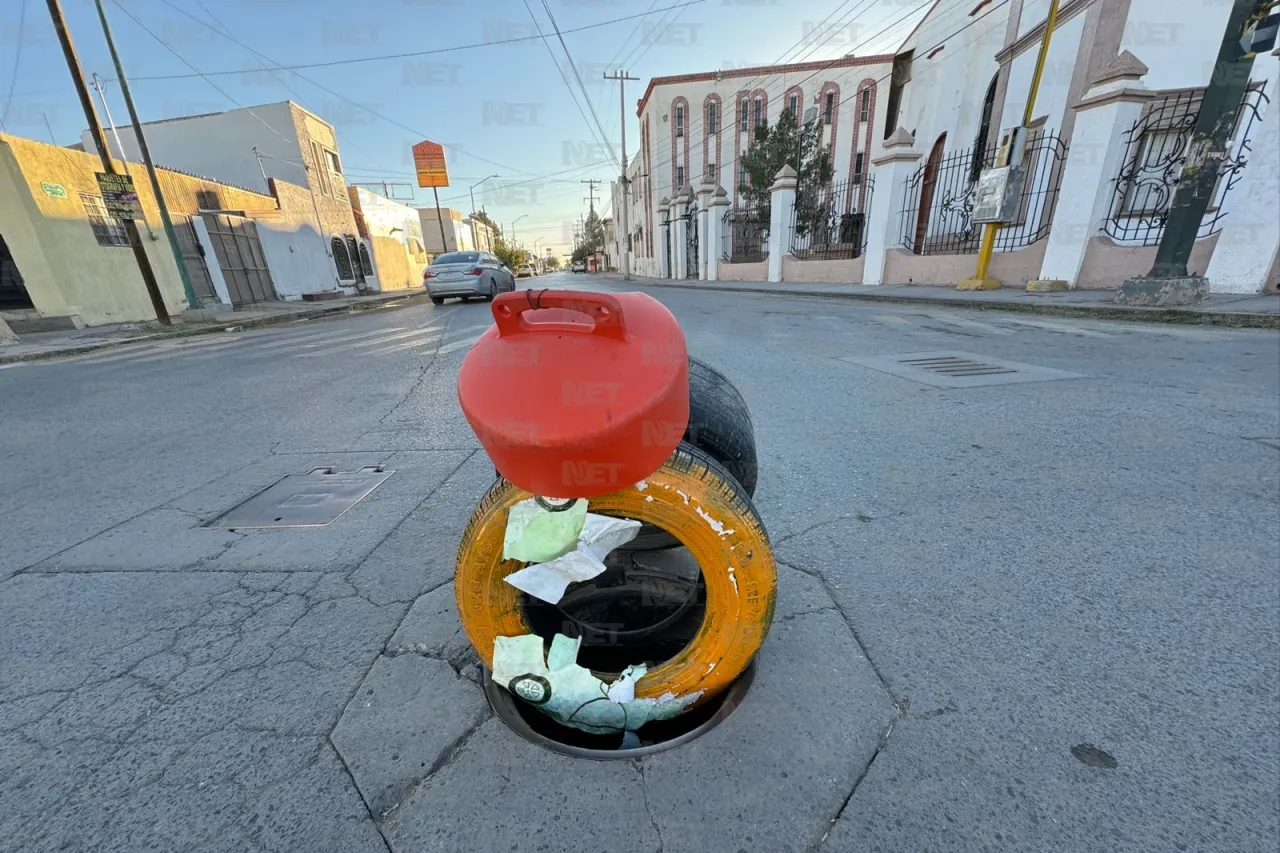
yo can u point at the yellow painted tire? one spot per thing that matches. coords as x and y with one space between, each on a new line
690 494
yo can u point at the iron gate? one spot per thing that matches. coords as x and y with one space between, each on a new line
235 242
691 243
193 259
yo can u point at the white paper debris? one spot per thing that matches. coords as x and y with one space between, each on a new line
547 581
536 535
570 693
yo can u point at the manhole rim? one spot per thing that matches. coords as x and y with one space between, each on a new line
505 709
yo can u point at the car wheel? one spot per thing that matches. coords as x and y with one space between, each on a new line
437 300
493 291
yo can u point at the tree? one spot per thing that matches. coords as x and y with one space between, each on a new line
484 218
508 254
553 263
593 233
786 142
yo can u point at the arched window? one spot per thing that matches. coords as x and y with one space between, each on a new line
366 263
353 252
983 138
341 259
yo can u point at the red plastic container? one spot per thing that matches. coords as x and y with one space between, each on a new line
576 394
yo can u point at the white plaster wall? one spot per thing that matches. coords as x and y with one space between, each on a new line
296 256
946 93
1051 100
220 146
1177 40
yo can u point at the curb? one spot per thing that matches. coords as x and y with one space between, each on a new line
211 327
1186 316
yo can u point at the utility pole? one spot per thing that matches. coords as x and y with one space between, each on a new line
591 193
104 153
111 122
622 77
192 302
1169 282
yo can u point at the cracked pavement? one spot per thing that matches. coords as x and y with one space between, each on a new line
1031 617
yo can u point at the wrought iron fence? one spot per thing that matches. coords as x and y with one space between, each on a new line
1156 148
831 224
744 237
937 211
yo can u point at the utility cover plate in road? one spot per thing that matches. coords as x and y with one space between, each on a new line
951 369
306 500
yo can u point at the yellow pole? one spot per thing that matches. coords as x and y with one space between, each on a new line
981 278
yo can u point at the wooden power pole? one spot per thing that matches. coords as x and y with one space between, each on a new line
108 165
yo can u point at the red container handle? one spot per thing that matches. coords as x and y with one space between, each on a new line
604 310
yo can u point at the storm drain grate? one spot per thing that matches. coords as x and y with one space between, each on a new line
953 366
953 369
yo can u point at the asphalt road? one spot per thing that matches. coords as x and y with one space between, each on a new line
1039 615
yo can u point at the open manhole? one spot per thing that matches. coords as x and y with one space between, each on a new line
646 608
536 727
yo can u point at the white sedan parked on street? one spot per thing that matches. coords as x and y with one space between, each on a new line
467 275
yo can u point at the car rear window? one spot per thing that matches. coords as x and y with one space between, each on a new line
457 258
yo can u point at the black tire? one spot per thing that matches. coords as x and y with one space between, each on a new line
720 423
493 291
720 426
437 300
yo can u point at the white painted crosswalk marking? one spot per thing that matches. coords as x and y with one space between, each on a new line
371 342
457 345
319 338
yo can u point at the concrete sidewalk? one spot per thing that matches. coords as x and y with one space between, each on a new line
38 345
1225 309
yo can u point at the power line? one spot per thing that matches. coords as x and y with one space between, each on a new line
598 137
225 32
183 60
418 53
573 66
757 78
17 61
320 86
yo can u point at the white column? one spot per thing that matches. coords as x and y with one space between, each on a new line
705 194
679 236
884 219
782 201
718 207
1096 154
664 237
1250 241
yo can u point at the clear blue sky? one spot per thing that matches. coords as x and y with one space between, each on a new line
501 103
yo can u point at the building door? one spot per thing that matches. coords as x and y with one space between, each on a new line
244 267
13 292
927 186
193 259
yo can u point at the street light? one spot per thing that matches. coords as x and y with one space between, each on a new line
513 227
472 193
